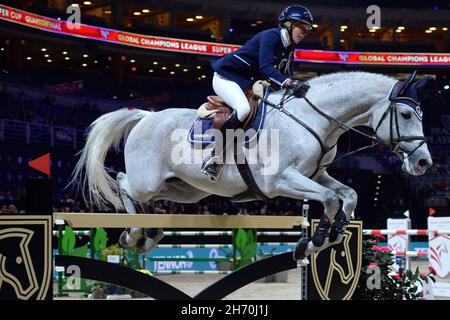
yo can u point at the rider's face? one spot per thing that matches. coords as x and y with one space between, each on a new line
299 32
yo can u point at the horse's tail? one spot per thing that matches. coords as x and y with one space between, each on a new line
96 184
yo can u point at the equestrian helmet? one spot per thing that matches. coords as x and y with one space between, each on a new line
296 13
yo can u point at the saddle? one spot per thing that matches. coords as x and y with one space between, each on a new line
216 108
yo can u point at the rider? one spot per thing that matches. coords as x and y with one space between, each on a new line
267 55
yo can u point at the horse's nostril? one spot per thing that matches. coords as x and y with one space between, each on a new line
423 162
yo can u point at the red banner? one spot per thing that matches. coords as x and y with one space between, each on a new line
381 58
114 36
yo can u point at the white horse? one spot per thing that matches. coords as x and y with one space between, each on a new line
346 100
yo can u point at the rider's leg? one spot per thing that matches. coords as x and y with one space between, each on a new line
233 96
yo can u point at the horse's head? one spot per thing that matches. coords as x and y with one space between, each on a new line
16 266
398 122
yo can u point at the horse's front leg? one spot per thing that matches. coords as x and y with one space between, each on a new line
295 185
349 199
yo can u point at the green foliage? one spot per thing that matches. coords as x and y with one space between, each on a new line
132 258
245 244
80 251
68 241
100 241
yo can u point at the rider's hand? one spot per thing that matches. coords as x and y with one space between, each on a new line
300 88
290 83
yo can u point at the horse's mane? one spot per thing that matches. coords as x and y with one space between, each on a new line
363 78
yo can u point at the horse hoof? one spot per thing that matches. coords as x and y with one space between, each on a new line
125 240
135 233
154 233
318 239
300 249
337 227
145 245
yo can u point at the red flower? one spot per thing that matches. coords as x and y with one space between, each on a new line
375 248
396 277
373 264
433 272
380 237
385 249
372 242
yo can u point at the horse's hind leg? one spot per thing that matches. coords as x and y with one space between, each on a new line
143 239
151 236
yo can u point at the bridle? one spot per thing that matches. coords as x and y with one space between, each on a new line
392 110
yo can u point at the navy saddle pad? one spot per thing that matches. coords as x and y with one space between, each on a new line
202 131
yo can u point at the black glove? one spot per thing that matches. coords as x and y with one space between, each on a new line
299 88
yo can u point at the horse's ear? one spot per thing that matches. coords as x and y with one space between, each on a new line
418 85
406 83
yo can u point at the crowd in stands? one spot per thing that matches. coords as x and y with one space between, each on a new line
24 107
14 203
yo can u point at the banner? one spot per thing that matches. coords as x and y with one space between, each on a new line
380 58
114 36
211 48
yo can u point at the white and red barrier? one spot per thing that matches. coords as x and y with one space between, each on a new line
438 251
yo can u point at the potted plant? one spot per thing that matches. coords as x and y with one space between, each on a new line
405 285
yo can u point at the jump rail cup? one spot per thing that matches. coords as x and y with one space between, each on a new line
107 220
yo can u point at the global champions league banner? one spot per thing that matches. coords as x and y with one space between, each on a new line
61 27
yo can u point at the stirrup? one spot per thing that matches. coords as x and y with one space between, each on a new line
212 176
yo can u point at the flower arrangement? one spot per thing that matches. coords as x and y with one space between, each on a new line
378 282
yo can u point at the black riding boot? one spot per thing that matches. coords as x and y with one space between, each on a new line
212 168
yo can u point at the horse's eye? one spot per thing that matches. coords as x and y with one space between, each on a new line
406 115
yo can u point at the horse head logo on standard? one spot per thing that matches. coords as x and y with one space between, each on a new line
308 126
16 265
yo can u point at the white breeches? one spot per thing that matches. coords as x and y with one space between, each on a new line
232 94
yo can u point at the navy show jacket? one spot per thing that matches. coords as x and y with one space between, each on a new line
260 58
